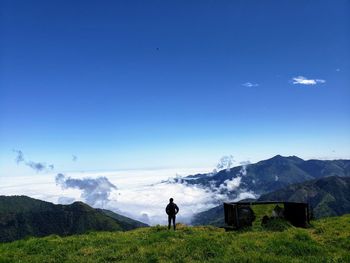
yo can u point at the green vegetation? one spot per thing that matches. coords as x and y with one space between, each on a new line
22 216
128 223
328 196
328 240
277 224
260 211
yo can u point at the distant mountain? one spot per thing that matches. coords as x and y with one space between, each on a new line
268 175
22 216
328 196
213 217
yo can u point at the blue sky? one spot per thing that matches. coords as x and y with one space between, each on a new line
146 84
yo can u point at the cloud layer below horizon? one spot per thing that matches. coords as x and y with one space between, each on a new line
141 195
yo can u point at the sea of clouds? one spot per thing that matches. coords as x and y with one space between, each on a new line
139 194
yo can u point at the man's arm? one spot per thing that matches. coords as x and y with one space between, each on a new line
176 209
167 209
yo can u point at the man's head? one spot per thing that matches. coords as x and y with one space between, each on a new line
171 200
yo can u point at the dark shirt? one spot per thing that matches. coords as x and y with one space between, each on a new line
171 209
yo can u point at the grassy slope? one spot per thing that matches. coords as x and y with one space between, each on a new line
22 216
327 241
128 223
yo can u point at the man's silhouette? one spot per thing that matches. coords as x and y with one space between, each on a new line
171 210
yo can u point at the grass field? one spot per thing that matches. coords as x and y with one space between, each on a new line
328 240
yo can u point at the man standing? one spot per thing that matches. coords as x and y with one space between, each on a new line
171 210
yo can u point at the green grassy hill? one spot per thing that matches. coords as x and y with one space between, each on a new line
22 216
328 240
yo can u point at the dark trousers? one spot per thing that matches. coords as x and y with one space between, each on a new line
171 217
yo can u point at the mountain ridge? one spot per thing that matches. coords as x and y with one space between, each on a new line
22 216
269 175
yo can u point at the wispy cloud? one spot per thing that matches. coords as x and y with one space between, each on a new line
250 84
226 162
231 184
95 191
244 164
234 183
305 81
19 158
37 166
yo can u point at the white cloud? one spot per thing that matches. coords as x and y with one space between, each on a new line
250 84
232 184
147 202
243 170
304 81
225 162
140 195
246 195
320 81
93 190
